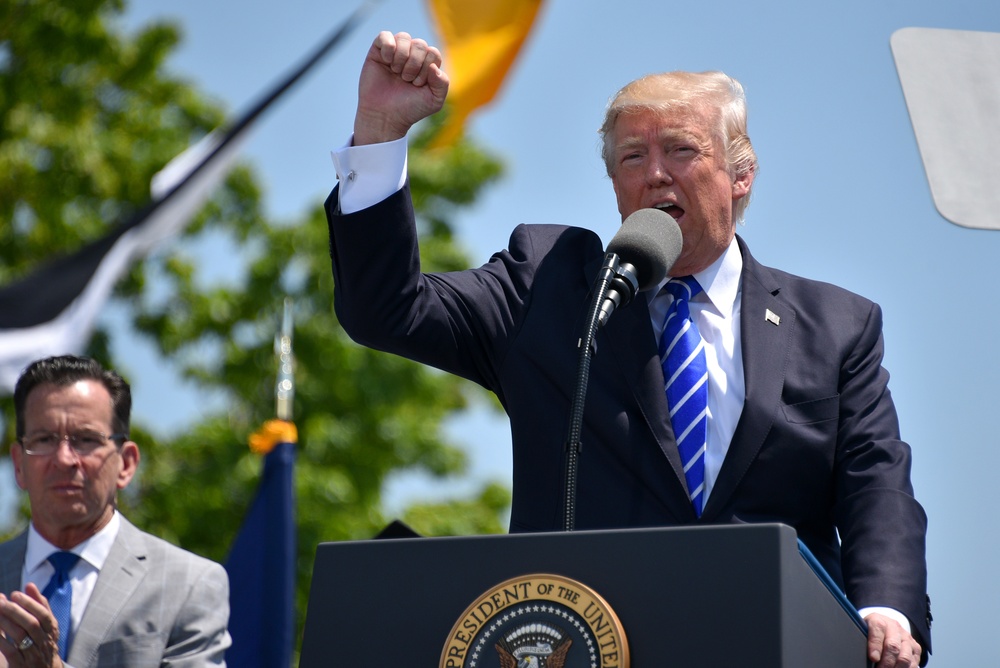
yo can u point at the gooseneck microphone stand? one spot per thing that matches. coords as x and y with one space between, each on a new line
615 285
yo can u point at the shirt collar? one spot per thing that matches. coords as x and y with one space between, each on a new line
720 281
94 550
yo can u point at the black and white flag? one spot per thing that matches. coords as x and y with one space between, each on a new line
52 311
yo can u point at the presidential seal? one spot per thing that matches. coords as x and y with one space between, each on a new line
537 621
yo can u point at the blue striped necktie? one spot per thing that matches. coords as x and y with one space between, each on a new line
59 591
682 356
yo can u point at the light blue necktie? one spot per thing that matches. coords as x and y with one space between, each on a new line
682 356
59 591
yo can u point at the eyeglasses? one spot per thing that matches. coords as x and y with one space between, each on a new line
83 442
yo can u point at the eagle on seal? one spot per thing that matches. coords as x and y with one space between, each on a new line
535 646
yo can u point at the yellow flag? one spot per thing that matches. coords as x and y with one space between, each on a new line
480 40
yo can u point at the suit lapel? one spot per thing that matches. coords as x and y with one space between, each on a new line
766 327
120 576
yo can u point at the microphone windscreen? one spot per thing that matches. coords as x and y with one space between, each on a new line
650 240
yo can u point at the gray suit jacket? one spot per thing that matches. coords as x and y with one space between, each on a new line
154 605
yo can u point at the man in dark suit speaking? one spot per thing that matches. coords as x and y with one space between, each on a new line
82 586
732 393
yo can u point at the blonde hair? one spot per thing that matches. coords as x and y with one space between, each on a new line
668 91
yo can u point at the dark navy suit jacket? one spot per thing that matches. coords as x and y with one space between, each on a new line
817 446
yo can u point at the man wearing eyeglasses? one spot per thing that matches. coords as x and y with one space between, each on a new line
82 586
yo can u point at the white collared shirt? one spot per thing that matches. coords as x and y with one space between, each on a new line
716 312
83 576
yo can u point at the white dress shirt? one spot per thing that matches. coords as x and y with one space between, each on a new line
83 576
716 313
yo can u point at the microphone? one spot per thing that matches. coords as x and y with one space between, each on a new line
639 257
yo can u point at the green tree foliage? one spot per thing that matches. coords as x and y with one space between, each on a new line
87 115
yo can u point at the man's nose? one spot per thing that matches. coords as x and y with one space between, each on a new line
657 172
67 454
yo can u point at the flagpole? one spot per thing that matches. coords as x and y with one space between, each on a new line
261 563
284 390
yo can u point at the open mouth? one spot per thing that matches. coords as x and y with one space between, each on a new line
672 209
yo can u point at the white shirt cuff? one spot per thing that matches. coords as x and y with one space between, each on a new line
368 174
890 613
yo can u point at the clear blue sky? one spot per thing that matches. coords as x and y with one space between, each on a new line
841 197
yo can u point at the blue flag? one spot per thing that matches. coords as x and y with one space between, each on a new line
261 567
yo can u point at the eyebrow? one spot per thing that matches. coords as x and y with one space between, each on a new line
672 133
63 431
630 142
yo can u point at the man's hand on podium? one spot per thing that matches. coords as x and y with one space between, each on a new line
890 645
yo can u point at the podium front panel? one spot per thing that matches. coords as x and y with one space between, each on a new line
698 596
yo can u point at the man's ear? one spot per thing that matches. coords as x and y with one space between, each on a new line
17 458
129 453
742 184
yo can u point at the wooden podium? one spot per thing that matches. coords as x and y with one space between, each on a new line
723 596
